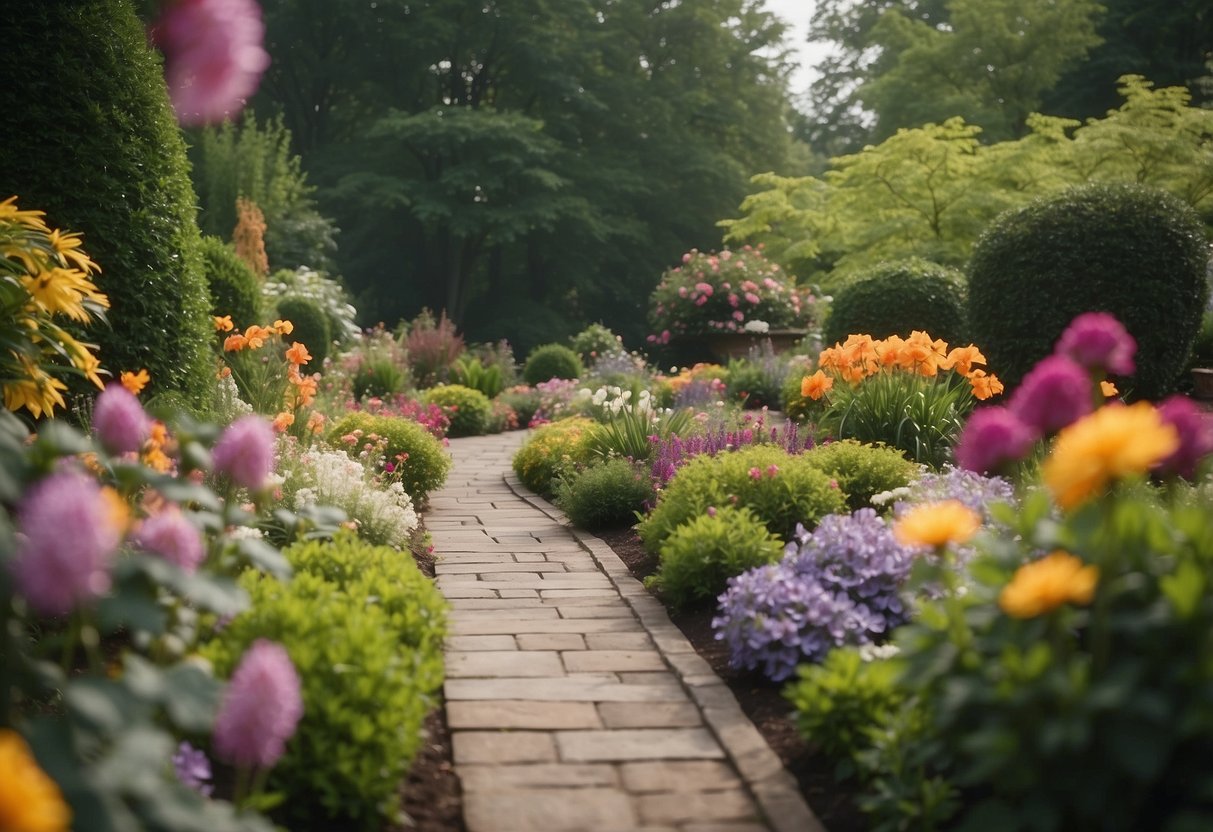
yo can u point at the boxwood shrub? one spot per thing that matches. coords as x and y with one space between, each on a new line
862 470
551 361
311 326
467 409
427 464
233 286
897 298
605 495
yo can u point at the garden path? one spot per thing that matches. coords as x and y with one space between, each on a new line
573 702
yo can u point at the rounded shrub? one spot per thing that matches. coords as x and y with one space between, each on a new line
551 361
1135 252
755 384
524 401
467 409
427 463
311 326
103 156
896 299
553 449
593 342
233 286
862 470
782 490
604 496
699 557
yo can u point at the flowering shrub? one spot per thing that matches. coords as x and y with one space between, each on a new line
430 416
862 471
377 365
433 347
729 291
555 398
418 460
552 450
594 342
977 492
672 452
525 401
467 409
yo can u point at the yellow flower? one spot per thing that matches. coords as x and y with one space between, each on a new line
1108 389
937 524
816 385
135 382
30 801
30 219
1111 443
38 392
67 246
63 291
223 323
1044 585
83 359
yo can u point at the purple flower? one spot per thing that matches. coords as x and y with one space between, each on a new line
993 437
965 486
193 769
1054 393
245 452
260 709
119 420
1100 343
1195 436
70 530
173 537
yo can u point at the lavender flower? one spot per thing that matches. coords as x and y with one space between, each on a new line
1054 393
193 769
1195 436
1100 343
119 420
967 487
993 437
260 709
245 452
70 530
673 452
173 537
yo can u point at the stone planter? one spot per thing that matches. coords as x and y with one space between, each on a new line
726 345
1202 383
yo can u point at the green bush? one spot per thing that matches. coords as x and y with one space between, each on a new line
553 449
91 140
470 372
700 556
427 464
524 400
551 361
467 409
604 496
233 286
756 384
378 375
898 298
862 470
595 341
792 491
1137 253
311 326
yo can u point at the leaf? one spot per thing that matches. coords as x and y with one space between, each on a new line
1185 588
191 696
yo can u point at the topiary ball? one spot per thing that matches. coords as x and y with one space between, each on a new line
1135 252
551 361
897 298
311 326
233 286
467 409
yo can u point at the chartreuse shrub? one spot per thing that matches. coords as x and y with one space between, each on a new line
698 558
233 286
553 449
103 156
467 409
423 469
311 326
604 495
898 298
1135 252
782 490
862 470
551 361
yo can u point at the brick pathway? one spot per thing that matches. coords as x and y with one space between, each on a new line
573 702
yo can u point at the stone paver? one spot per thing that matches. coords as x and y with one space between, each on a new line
574 704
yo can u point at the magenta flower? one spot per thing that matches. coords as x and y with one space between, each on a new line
69 534
119 421
245 452
173 537
1054 393
1100 343
755 473
260 708
992 438
213 57
1195 436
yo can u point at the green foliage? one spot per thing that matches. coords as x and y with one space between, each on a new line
897 298
605 495
311 326
627 420
103 156
756 382
318 287
1202 348
595 341
378 375
467 409
234 288
701 554
782 491
470 372
524 401
795 406
1135 252
862 470
551 450
551 361
427 464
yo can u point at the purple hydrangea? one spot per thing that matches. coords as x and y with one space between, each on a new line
1054 393
841 584
119 421
1100 343
173 537
193 769
1195 430
992 438
245 452
260 709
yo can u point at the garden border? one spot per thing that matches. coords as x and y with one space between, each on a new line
764 775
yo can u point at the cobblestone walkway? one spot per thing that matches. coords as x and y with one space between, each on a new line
573 702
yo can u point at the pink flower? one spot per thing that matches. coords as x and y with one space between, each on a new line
119 420
173 537
738 315
686 258
993 437
1099 342
213 57
245 452
770 284
682 291
260 709
705 288
734 301
1195 436
751 297
665 336
69 534
755 474
701 300
1054 393
711 511
749 286
772 471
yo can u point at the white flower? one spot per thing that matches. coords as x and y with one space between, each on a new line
756 326
872 652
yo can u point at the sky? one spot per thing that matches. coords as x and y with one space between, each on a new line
797 13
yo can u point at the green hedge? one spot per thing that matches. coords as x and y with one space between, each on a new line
233 286
897 298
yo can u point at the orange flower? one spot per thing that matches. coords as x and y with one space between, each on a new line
283 327
283 421
816 385
234 343
135 382
1044 585
30 801
962 359
1108 389
225 372
223 324
255 336
937 524
315 422
154 456
830 358
306 388
984 386
888 351
298 354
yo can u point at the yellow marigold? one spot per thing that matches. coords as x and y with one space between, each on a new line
135 382
816 385
283 327
1108 389
298 354
223 323
984 386
30 801
38 392
1044 585
1113 442
234 343
937 524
